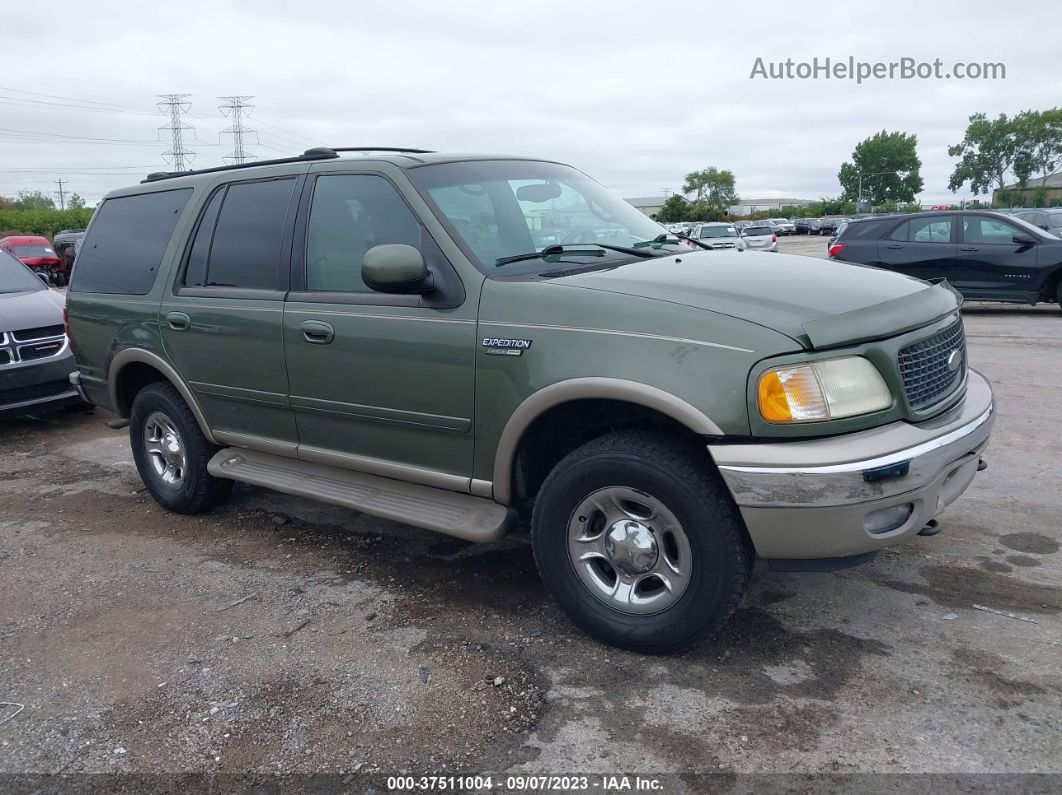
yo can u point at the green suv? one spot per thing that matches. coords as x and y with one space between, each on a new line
475 344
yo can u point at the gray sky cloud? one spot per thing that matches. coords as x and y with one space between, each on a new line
634 93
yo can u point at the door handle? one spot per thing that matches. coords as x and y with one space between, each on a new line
894 245
317 332
969 249
179 321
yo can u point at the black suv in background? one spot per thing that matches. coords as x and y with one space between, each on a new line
986 256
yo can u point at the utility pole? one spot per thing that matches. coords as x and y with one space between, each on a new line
235 108
62 198
174 105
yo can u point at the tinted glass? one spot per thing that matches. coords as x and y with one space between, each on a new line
757 231
349 214
123 249
246 248
195 272
16 277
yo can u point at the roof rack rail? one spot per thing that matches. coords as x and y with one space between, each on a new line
318 153
399 149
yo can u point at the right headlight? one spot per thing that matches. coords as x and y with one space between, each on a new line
826 390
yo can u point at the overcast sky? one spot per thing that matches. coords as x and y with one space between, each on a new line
634 93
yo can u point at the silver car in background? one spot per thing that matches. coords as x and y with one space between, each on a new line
782 226
758 238
715 235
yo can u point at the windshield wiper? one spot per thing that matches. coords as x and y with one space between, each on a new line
660 239
626 250
551 251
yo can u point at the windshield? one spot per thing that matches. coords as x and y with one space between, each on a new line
506 208
16 277
718 231
34 250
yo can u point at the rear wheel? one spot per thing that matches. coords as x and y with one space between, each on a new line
171 452
638 541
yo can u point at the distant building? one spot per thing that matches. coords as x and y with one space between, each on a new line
1023 197
650 205
749 206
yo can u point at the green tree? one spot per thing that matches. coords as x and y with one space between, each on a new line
675 208
986 154
712 186
1038 139
885 166
34 200
75 202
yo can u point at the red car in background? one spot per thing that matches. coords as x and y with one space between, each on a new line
37 252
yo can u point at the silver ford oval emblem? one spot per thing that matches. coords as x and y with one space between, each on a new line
954 358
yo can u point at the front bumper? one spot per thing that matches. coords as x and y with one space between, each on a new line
810 499
38 385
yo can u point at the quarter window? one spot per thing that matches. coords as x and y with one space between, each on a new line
244 249
349 214
123 249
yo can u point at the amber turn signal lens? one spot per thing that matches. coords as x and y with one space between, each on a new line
774 405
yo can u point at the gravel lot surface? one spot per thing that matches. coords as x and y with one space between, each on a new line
275 634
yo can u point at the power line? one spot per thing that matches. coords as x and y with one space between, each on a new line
234 108
175 105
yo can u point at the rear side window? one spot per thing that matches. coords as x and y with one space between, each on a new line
862 229
924 230
123 250
239 237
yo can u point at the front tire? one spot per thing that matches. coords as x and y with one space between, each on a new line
171 452
637 539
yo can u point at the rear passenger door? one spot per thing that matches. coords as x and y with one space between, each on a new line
922 247
222 320
379 383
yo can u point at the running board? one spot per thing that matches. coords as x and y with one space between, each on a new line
449 512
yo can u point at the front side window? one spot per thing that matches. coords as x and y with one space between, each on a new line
987 231
245 249
509 208
349 214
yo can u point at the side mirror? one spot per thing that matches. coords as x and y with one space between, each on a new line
1023 239
396 268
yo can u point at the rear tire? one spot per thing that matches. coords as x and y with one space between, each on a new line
171 452
638 540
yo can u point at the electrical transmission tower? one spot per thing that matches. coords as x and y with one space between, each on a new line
236 108
174 106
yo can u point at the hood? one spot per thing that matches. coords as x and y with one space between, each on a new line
30 310
819 303
40 260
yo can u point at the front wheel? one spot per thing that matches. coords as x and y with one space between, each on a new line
638 541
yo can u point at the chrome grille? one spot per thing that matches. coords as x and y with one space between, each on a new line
927 379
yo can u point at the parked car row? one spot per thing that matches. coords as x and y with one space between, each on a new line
719 234
986 256
52 258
